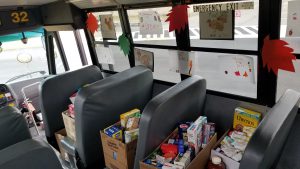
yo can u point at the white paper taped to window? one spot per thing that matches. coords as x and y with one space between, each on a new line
104 55
293 19
150 23
237 68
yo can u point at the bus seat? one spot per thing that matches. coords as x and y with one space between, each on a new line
18 149
13 127
182 102
289 158
100 105
29 154
55 92
266 144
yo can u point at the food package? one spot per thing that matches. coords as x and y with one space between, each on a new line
244 117
114 132
132 123
194 133
125 116
131 135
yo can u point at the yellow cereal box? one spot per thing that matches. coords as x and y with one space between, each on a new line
125 116
244 117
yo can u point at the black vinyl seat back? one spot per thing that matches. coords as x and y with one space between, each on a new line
55 92
100 105
266 144
13 127
180 103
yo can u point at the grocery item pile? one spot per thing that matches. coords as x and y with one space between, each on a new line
128 129
234 143
183 145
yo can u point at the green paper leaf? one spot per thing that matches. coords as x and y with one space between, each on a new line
124 44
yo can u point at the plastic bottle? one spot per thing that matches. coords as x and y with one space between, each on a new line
216 163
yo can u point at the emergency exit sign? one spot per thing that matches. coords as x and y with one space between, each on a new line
217 7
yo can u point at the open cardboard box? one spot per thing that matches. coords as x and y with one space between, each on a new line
199 162
230 163
60 135
69 125
118 154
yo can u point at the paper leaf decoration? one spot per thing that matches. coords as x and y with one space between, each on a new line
92 23
124 44
276 55
178 18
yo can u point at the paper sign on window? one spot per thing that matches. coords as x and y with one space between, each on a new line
104 55
217 25
237 68
143 57
150 23
108 27
293 20
183 63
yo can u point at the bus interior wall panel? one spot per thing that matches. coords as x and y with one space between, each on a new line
59 14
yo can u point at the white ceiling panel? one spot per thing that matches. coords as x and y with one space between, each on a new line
83 4
24 2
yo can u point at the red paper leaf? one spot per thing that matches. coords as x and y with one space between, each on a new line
92 23
276 55
237 73
178 18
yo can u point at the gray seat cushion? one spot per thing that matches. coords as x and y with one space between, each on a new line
29 154
266 144
55 92
182 102
13 127
100 105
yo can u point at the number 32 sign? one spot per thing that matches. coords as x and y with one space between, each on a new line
19 17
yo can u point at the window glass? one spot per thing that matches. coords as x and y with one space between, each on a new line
71 49
163 65
24 60
117 60
165 38
58 61
116 20
294 42
245 32
288 80
86 48
228 73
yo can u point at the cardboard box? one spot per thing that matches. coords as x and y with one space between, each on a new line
61 134
230 163
199 162
117 154
69 125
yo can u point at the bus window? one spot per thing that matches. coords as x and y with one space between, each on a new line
155 22
228 73
86 48
112 58
58 61
71 49
163 65
288 80
245 32
19 61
